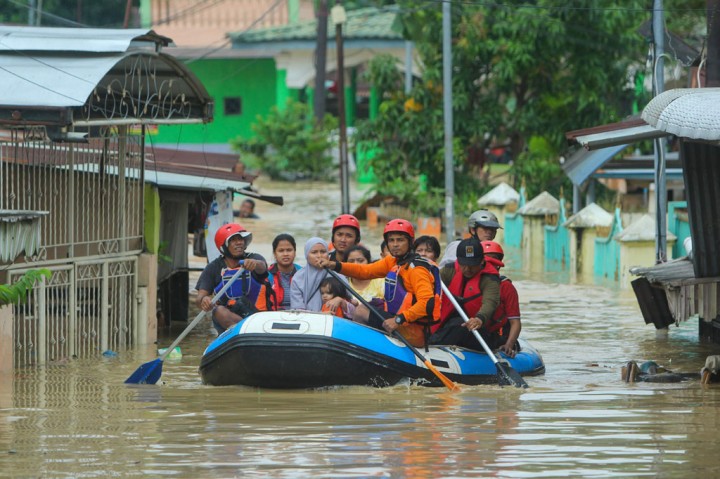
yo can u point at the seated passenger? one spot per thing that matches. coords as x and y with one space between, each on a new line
305 286
428 247
506 320
418 277
476 287
232 240
334 298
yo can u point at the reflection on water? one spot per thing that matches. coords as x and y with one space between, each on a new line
78 419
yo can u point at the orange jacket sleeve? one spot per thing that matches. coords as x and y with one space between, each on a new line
420 283
378 269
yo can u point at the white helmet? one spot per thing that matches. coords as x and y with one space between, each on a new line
483 218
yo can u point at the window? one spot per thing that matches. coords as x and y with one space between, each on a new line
233 106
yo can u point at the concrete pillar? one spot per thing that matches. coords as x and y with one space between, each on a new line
6 338
147 299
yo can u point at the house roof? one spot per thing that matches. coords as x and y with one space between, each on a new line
362 24
60 76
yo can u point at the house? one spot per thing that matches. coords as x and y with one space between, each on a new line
266 65
74 111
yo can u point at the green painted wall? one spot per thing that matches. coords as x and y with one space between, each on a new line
253 80
152 218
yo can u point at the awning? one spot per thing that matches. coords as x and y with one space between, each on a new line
686 112
583 163
614 134
64 76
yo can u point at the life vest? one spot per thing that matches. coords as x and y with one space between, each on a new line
398 299
469 298
246 285
395 294
338 312
271 294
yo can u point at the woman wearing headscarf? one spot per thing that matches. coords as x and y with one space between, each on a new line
305 286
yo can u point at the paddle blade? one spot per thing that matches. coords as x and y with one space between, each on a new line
444 379
508 376
148 373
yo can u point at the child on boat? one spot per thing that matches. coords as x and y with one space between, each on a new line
333 294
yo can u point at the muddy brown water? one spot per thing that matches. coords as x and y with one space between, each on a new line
78 419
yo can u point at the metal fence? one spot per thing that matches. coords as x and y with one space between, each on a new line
80 311
94 200
91 239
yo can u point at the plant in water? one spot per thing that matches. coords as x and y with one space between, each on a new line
289 144
17 292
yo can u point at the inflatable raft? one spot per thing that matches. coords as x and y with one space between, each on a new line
299 349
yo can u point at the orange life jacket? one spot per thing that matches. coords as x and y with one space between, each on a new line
338 312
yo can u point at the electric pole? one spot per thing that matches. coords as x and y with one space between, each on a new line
320 61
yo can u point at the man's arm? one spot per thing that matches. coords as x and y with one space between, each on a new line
490 288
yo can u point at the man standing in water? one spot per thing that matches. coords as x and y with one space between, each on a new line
482 224
345 235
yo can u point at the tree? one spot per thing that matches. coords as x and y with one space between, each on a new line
288 144
521 70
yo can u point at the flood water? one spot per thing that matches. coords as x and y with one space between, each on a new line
78 419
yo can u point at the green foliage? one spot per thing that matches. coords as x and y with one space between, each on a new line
14 293
288 143
409 131
521 70
539 163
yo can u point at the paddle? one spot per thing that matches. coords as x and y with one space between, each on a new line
276 200
506 373
444 379
150 372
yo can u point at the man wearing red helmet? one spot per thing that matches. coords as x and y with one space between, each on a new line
419 278
345 235
505 325
232 240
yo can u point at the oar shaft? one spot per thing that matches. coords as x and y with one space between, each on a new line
465 318
200 315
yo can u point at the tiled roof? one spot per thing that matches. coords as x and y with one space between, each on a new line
364 23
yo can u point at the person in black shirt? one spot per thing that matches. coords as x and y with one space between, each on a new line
232 240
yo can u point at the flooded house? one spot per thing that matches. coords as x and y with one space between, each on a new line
74 111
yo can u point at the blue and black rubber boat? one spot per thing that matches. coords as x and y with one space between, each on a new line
298 349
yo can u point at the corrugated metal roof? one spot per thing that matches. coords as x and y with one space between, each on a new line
686 112
583 163
109 74
613 134
363 23
210 181
98 40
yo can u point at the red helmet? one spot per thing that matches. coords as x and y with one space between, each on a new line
399 226
225 232
346 220
493 247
